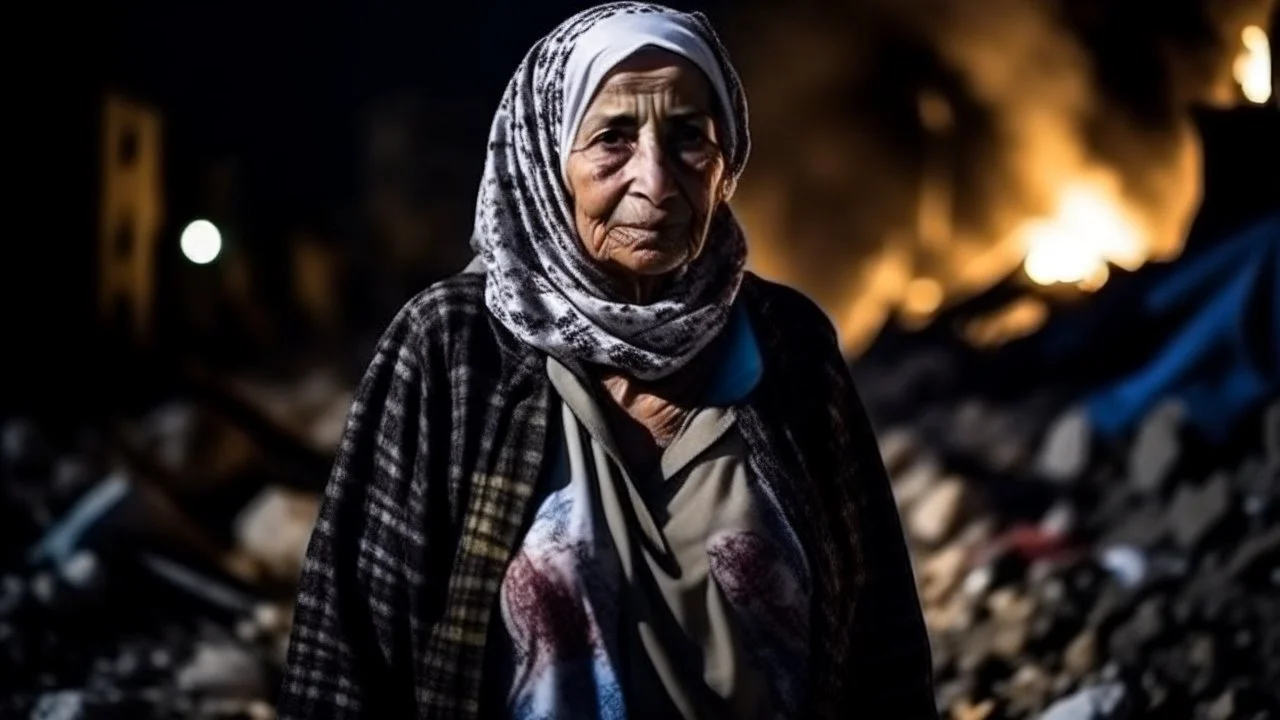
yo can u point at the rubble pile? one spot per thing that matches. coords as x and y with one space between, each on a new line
1063 577
1069 579
118 599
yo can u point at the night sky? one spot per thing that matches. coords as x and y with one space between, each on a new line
283 86
280 88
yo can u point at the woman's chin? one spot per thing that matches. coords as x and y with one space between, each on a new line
652 262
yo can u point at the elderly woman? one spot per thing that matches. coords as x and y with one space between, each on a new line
606 472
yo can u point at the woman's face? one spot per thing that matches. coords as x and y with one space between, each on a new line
645 171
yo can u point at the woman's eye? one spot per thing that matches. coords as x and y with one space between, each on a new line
612 138
686 135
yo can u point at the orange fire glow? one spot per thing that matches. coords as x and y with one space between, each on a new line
1252 67
1090 229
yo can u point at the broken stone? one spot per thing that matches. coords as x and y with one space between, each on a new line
970 427
1011 613
199 448
161 659
1224 707
171 430
61 705
938 512
326 428
1081 655
1131 638
275 528
223 669
968 710
271 618
1097 702
951 694
1202 657
12 592
896 448
234 709
71 475
1060 520
1127 565
978 580
1141 527
912 483
940 573
22 445
1256 557
82 571
44 587
1067 446
1197 512
977 648
1157 448
1027 691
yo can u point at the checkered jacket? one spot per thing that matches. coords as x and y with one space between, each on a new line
432 483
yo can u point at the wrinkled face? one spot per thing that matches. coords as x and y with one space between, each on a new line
645 171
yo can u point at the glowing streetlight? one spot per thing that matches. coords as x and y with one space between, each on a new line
201 242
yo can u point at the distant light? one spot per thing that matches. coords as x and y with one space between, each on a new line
201 242
1252 67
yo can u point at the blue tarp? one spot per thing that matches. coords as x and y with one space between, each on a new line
1224 360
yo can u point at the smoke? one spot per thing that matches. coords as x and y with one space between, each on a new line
900 145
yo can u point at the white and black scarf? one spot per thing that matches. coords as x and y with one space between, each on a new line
540 283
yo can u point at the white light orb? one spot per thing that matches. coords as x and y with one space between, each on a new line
201 242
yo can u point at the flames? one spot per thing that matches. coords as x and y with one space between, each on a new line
892 200
1252 67
1089 230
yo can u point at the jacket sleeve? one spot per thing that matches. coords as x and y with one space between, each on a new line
893 667
347 654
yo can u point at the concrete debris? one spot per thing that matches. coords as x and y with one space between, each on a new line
1157 448
1198 511
938 512
112 611
1111 579
913 481
1099 702
1063 577
275 528
1127 565
897 446
1067 446
222 669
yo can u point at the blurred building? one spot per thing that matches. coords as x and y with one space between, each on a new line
132 212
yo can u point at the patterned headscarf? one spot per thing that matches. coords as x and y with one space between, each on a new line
541 283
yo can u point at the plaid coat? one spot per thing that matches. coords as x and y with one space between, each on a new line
431 489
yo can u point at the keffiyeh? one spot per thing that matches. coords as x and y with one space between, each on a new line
541 285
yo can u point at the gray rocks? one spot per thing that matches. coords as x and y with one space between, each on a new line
938 512
275 528
224 669
1099 581
94 622
1066 448
1198 511
1157 447
1098 702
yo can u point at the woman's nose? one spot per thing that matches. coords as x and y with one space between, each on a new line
653 178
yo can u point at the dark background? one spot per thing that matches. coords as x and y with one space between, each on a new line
277 92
